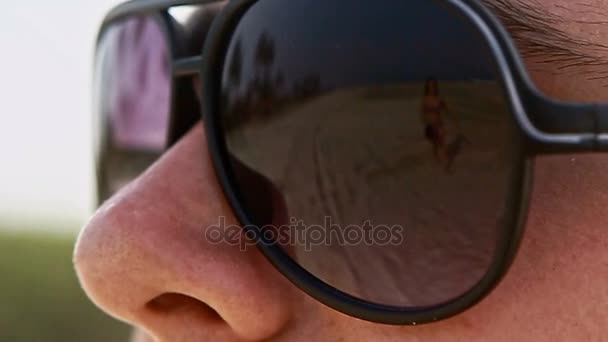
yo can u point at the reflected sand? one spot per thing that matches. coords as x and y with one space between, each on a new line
360 154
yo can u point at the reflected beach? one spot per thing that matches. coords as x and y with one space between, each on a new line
361 154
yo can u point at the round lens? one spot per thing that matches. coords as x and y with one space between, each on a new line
132 99
376 139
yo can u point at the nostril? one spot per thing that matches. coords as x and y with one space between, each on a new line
171 303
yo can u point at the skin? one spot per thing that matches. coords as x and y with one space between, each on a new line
145 245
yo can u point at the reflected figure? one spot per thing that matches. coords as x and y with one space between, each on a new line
434 108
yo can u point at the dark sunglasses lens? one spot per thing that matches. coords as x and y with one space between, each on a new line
132 93
376 138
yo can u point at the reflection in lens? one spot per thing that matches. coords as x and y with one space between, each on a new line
386 135
132 91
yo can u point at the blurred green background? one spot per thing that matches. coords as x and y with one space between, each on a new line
40 298
46 170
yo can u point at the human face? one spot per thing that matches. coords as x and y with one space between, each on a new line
142 258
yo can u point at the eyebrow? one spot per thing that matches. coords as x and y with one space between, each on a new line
538 35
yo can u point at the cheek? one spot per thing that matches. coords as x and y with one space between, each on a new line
566 228
561 268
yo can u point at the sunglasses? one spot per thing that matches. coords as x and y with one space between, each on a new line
378 153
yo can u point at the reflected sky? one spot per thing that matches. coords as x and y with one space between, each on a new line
353 41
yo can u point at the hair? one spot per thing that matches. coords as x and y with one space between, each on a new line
540 36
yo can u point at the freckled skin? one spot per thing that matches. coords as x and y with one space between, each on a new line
145 245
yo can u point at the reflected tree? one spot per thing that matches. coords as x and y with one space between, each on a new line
264 59
230 97
235 69
267 91
264 52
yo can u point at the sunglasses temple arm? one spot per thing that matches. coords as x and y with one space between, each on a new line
190 66
602 127
560 127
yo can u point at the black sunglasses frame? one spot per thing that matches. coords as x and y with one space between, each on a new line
183 98
545 126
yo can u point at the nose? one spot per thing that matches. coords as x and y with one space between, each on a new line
144 258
